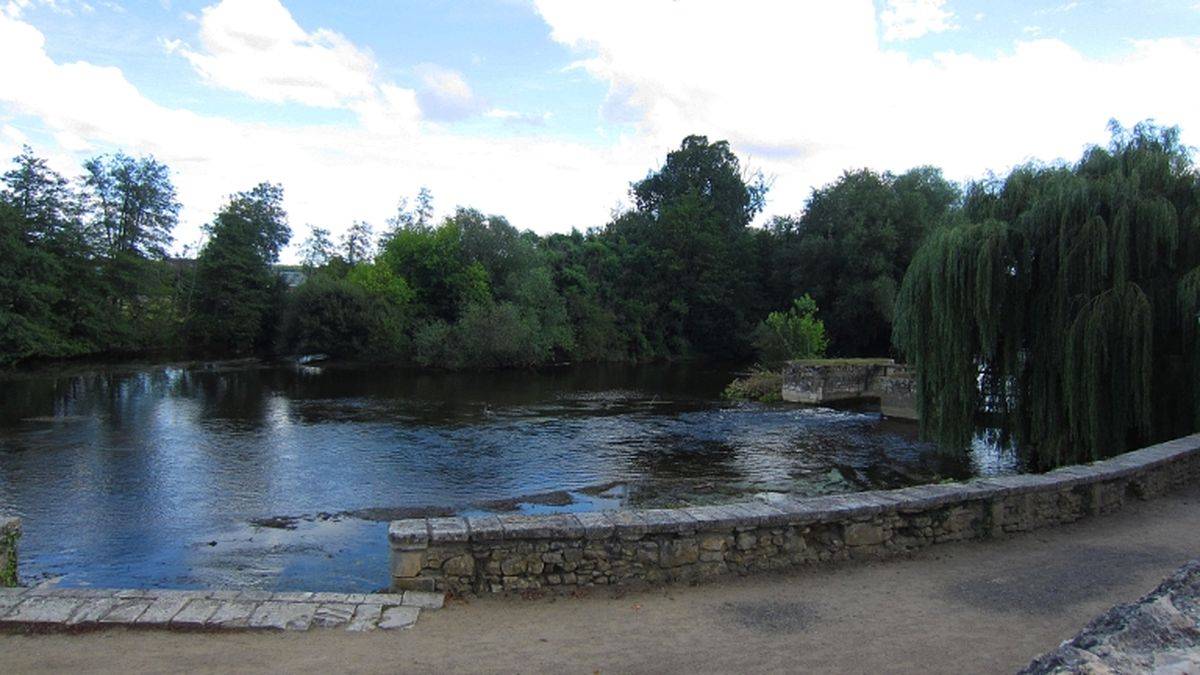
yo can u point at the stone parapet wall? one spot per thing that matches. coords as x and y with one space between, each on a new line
516 552
1160 633
10 532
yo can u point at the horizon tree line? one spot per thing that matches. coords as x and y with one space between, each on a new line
1062 297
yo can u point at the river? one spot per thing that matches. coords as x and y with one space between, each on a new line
284 477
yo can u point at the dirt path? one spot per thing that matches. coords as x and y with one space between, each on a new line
966 608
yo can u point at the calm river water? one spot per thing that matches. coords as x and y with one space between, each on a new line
284 477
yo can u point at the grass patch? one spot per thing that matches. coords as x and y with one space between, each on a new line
761 384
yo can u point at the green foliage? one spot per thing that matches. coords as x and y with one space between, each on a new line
679 275
344 318
482 292
83 272
851 247
1064 299
794 334
238 296
761 384
8 561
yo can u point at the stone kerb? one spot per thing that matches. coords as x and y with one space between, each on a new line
477 554
10 532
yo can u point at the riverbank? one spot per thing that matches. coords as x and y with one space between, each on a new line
987 606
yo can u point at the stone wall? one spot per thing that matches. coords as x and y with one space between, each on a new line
1159 633
10 532
830 381
897 387
516 552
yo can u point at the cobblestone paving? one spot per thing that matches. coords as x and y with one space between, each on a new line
75 608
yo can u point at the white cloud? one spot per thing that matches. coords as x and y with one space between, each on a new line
519 118
802 91
14 8
256 48
332 174
1057 9
909 19
807 90
444 94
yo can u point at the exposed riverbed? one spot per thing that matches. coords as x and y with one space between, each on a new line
283 477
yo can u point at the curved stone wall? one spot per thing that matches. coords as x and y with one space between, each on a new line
515 552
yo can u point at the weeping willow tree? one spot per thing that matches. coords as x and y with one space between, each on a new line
1063 301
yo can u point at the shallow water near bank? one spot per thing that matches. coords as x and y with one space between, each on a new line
284 477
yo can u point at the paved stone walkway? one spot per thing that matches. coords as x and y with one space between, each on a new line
77 608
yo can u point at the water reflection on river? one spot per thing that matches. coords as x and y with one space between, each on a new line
284 477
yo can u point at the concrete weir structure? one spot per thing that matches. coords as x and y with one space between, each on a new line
823 381
484 554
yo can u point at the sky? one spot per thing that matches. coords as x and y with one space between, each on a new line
545 110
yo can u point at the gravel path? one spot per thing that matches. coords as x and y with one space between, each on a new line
972 607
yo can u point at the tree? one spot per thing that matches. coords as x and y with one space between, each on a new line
851 247
57 306
133 205
794 334
357 243
317 250
693 283
419 217
238 296
1063 301
132 209
423 213
709 171
41 195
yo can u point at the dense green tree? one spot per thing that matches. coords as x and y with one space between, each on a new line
688 282
851 247
442 277
583 268
478 273
133 205
1064 302
29 291
43 254
238 295
131 210
709 172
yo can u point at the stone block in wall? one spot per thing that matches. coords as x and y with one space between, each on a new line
658 521
680 551
409 534
864 534
556 526
443 530
597 524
